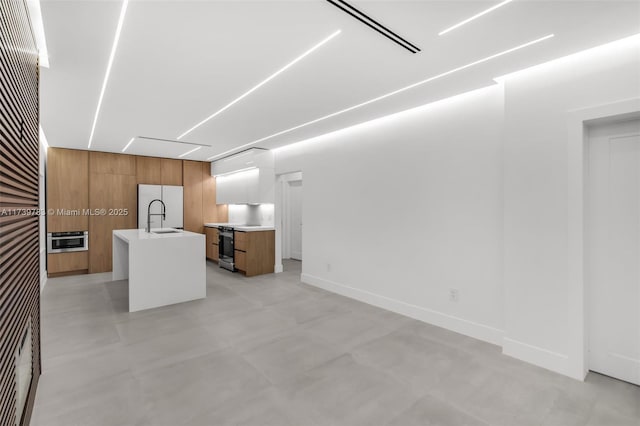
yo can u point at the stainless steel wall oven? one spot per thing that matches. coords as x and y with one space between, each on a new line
63 242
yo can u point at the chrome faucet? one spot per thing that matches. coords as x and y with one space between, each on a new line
162 213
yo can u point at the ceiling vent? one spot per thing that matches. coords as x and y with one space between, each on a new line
375 25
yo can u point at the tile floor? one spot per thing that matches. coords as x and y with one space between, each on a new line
270 350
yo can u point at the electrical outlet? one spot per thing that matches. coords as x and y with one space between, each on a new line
454 296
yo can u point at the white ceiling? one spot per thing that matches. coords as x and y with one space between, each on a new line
180 61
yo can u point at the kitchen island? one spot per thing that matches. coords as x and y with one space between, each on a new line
163 266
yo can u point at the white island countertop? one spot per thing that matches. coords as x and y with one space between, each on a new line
130 235
161 268
240 227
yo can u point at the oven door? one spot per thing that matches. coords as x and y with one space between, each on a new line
226 249
63 242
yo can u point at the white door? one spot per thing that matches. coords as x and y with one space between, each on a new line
173 199
613 249
295 219
147 193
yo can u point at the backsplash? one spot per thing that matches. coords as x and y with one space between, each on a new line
250 214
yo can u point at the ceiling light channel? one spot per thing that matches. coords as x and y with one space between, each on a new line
395 92
466 21
262 83
123 12
189 152
129 144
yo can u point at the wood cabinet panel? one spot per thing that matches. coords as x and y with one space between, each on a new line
109 163
261 254
215 254
209 207
170 171
148 170
67 189
109 191
240 240
255 252
60 263
209 249
212 243
240 260
223 213
192 182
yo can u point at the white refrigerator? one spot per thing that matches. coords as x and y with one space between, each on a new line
173 199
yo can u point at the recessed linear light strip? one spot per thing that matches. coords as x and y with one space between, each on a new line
246 169
43 138
174 141
564 60
411 86
123 12
189 152
35 16
164 140
262 83
129 144
466 21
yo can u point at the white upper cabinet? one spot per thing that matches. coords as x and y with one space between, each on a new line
246 178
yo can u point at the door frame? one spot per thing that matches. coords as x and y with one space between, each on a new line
281 216
288 227
577 123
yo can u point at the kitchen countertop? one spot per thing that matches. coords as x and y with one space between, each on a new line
240 227
140 234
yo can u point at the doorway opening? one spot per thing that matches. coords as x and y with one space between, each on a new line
292 208
294 220
612 248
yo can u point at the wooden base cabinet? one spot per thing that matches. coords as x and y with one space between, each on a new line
255 252
212 251
240 260
74 263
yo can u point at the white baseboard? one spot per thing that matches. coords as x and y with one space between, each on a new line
278 268
541 357
459 325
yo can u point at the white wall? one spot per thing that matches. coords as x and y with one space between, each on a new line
399 211
537 104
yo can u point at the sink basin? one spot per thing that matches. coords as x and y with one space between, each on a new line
166 231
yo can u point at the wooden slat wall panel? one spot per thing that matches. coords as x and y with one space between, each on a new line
19 188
